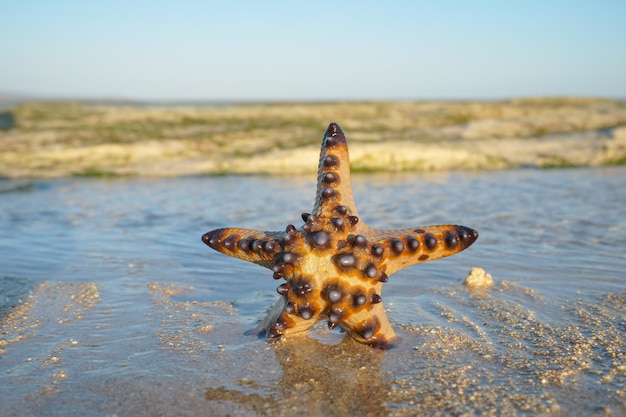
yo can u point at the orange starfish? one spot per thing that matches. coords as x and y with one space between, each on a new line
335 265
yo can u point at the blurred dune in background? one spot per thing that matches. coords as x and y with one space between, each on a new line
55 139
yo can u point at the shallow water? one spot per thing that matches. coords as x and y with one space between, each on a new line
111 304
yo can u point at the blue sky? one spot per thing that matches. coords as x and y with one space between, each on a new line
261 50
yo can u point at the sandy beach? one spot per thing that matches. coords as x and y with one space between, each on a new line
62 139
494 351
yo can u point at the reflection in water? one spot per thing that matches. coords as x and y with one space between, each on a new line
317 379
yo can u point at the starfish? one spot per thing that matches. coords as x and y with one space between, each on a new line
334 265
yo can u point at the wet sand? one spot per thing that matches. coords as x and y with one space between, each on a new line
504 350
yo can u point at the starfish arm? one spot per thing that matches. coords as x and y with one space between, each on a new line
365 320
278 322
371 327
334 187
254 246
406 247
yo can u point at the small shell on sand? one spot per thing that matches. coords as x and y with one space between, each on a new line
478 279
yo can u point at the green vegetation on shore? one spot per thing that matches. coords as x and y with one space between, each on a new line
52 139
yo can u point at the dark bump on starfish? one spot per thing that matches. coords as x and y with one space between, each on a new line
430 241
269 246
321 238
244 244
352 220
273 333
419 231
257 245
289 258
359 241
334 130
291 229
280 324
346 260
278 268
330 178
302 288
376 298
212 238
310 223
423 257
367 331
341 244
305 216
413 244
466 235
330 162
337 222
359 299
383 277
341 210
306 313
397 246
334 296
451 240
378 250
283 289
334 316
328 193
331 142
371 271
230 242
290 307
